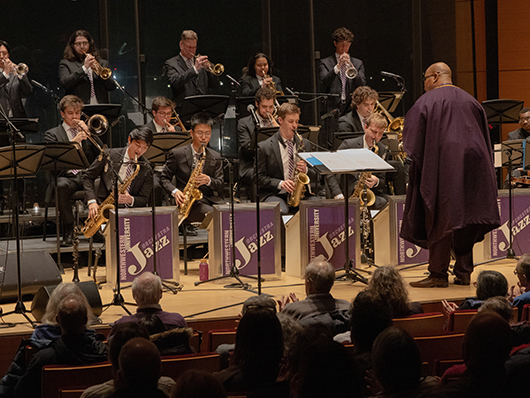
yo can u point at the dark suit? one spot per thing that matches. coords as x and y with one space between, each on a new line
12 90
381 198
141 186
76 82
332 84
270 169
519 134
250 85
180 164
350 122
246 128
185 82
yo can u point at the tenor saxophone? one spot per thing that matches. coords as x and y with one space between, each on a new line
191 192
92 225
300 180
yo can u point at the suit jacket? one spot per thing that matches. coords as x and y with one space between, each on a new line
270 166
519 134
180 164
350 122
357 142
151 126
185 82
75 81
141 186
332 84
12 91
246 128
250 85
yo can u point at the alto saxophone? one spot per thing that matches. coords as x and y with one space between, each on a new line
92 225
359 186
300 180
191 192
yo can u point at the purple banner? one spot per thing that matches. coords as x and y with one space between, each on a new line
136 246
408 253
325 234
500 237
247 243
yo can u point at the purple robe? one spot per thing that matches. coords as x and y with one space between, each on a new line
452 182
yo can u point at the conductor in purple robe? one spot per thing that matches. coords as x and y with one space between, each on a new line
452 194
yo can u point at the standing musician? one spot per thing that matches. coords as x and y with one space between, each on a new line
162 109
246 128
186 72
374 128
182 162
121 160
258 74
76 70
72 129
13 87
363 103
278 161
333 72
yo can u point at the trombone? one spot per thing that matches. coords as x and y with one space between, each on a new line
216 69
175 120
97 125
102 72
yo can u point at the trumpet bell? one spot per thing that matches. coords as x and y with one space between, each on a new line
105 73
98 124
351 72
218 69
21 69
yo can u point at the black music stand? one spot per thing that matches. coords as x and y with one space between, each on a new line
266 132
243 102
19 161
390 99
500 111
213 105
344 135
110 111
61 156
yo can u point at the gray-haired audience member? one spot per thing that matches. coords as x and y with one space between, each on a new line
319 306
521 295
147 292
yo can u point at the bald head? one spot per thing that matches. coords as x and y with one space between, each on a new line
436 75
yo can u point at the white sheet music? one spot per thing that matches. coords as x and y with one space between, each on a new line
348 160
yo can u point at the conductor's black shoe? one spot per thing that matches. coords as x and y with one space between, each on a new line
430 282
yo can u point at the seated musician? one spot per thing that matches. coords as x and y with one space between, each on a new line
278 160
162 109
183 161
374 128
363 103
246 128
120 161
521 179
72 129
258 74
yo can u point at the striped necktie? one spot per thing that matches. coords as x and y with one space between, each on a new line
290 152
72 132
343 81
91 78
189 63
128 173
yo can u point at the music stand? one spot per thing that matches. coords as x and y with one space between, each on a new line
61 156
213 105
390 99
344 135
500 111
26 125
110 111
266 132
15 161
243 102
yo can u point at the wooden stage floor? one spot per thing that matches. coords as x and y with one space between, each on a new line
213 300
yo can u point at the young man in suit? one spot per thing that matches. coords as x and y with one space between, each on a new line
363 103
74 130
186 72
121 160
246 129
332 72
162 109
278 161
182 162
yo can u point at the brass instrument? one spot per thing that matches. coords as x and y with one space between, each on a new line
300 179
351 71
273 120
216 69
272 86
395 126
175 120
191 192
21 70
92 225
102 72
97 125
359 186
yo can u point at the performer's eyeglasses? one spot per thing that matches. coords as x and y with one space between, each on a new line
426 77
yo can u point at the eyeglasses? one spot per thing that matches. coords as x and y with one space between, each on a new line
81 43
202 134
164 114
426 77
524 119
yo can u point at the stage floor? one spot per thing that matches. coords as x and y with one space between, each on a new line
213 300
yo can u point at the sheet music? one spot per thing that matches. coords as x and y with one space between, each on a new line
348 160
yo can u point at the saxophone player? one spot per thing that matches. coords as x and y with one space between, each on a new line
181 163
121 159
278 161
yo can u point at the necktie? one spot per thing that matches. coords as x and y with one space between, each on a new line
343 81
290 151
72 132
91 78
128 173
189 63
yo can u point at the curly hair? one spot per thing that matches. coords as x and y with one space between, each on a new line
250 68
69 51
388 285
362 93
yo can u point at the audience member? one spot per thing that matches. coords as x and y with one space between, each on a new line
195 383
75 347
139 372
521 295
319 306
124 332
147 292
396 362
387 284
489 284
257 354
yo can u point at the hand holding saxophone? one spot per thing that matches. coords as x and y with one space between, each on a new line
202 179
180 198
125 198
93 210
288 186
371 181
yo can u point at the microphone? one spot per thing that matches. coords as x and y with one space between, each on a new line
39 85
289 91
252 109
233 80
392 75
333 113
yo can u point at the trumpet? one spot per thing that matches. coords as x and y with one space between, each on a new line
21 70
216 69
272 86
102 72
351 71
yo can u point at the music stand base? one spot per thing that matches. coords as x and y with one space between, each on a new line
118 300
351 273
233 274
20 308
